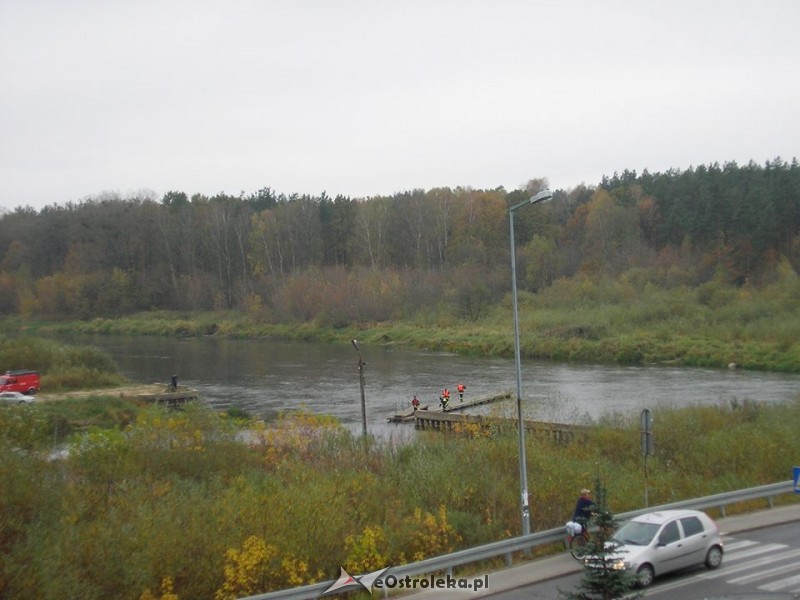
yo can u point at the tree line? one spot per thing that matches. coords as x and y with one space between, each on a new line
365 259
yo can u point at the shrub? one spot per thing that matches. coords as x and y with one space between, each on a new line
176 497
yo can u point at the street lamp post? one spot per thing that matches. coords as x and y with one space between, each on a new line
361 365
523 467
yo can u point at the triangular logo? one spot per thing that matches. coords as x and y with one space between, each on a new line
346 580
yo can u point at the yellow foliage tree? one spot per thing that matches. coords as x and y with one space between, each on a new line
166 591
257 567
430 535
363 552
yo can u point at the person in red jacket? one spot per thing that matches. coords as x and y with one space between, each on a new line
461 387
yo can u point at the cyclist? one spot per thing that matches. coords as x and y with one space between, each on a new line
584 508
578 527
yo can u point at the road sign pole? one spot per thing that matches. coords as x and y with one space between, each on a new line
647 446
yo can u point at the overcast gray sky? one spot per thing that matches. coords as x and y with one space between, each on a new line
373 97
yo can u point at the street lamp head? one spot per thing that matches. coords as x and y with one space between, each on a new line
541 196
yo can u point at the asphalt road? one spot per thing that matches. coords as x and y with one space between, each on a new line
758 561
755 544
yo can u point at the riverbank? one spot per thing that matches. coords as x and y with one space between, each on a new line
750 332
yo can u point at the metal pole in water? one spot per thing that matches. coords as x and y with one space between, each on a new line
361 365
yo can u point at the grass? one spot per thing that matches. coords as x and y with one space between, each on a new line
152 495
581 319
62 367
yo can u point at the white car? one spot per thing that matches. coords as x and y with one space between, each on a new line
15 398
659 542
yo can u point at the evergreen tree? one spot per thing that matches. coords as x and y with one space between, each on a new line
601 581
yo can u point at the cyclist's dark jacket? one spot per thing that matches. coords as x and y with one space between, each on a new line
583 510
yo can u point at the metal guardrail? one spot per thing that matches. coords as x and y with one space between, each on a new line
506 548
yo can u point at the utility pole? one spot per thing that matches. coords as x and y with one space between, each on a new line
361 365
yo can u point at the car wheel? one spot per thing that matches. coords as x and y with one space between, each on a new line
31 391
645 576
714 557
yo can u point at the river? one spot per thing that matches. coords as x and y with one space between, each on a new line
266 376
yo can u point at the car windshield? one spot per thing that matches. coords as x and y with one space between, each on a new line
636 534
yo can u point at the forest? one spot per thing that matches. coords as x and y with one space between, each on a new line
342 261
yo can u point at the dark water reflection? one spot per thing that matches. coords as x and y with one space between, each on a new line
266 376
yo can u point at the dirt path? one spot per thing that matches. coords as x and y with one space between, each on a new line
120 391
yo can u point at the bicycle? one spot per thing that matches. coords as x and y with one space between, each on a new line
576 542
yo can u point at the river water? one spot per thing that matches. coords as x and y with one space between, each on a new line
266 376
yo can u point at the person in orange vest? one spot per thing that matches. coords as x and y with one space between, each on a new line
415 402
461 387
445 398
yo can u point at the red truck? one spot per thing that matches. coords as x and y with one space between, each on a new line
26 382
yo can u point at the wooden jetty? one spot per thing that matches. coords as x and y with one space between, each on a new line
407 416
560 433
456 404
164 395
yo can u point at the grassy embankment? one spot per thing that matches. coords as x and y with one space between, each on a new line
149 503
174 502
578 319
61 367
